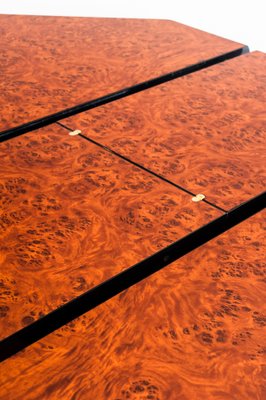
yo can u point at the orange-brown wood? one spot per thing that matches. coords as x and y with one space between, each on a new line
205 131
74 215
195 330
48 64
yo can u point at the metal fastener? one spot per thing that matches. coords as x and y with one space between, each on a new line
198 197
74 133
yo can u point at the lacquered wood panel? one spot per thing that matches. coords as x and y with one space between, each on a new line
48 64
74 215
195 330
205 131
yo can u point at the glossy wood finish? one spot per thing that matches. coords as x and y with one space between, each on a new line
205 131
74 215
195 330
48 64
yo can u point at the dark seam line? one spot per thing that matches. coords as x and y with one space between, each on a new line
115 285
44 121
141 167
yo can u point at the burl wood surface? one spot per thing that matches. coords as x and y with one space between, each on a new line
205 131
48 64
195 330
74 215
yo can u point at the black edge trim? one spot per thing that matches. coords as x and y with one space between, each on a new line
110 288
40 123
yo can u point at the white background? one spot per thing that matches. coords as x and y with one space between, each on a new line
243 21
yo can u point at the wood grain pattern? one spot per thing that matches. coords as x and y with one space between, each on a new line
48 64
195 330
205 131
74 215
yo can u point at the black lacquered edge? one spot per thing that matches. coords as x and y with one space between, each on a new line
39 123
108 289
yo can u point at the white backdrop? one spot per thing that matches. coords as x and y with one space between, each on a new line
243 21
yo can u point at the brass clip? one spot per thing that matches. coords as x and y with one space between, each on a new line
74 133
198 198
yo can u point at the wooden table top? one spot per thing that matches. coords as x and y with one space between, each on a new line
78 211
48 64
195 330
74 215
204 132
